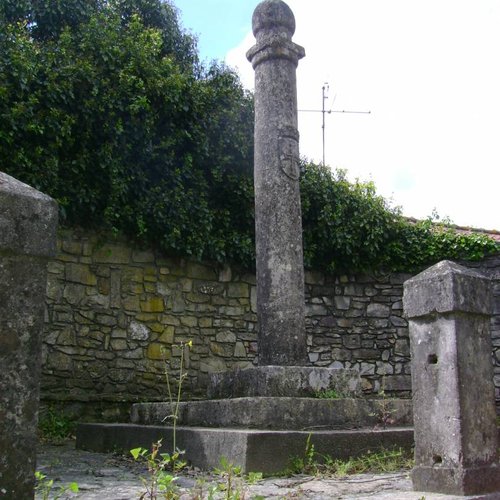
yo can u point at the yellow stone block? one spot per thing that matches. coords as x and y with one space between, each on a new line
154 304
156 327
77 273
157 351
167 337
145 317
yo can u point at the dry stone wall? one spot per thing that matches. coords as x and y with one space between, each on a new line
116 313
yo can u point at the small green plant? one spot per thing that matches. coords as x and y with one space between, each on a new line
307 462
328 394
54 426
385 410
233 483
44 487
159 481
254 477
174 402
375 462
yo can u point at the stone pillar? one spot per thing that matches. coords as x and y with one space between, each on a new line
28 221
278 220
449 307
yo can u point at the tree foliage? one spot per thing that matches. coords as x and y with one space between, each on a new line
348 227
105 107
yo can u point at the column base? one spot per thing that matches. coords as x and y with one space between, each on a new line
457 480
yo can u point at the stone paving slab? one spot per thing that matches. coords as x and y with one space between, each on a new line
103 476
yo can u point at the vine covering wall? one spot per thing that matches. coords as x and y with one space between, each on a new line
116 313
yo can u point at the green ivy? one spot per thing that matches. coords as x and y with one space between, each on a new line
349 227
105 106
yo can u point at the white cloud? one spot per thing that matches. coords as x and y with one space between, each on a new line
428 72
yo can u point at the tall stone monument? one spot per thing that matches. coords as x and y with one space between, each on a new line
28 221
456 439
278 222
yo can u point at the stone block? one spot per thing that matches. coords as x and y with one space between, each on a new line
342 303
189 321
28 219
152 305
278 413
167 336
71 246
376 310
282 381
453 394
157 350
226 336
138 331
28 223
447 287
267 451
200 272
238 290
314 277
80 273
239 350
131 303
197 298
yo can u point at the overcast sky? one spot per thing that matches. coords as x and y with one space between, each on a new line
429 72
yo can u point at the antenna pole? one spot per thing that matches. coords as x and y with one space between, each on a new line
325 97
323 111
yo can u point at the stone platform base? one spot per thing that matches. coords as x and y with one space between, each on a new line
283 381
254 450
279 413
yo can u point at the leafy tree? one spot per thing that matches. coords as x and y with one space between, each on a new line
348 227
111 114
105 106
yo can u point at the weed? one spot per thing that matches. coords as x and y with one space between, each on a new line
254 477
306 463
374 462
385 410
44 487
54 426
174 403
232 485
159 480
327 394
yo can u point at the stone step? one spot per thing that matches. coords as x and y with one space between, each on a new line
279 413
283 381
255 450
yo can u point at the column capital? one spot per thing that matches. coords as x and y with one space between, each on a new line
273 25
275 48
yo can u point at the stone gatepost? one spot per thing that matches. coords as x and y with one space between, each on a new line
278 222
28 222
449 307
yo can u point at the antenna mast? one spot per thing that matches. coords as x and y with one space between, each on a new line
325 89
323 111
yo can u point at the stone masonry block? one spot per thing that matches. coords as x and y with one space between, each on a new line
28 219
447 287
452 381
28 223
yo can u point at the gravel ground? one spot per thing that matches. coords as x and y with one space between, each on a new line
112 477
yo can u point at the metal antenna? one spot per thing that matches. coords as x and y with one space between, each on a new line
325 89
323 111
